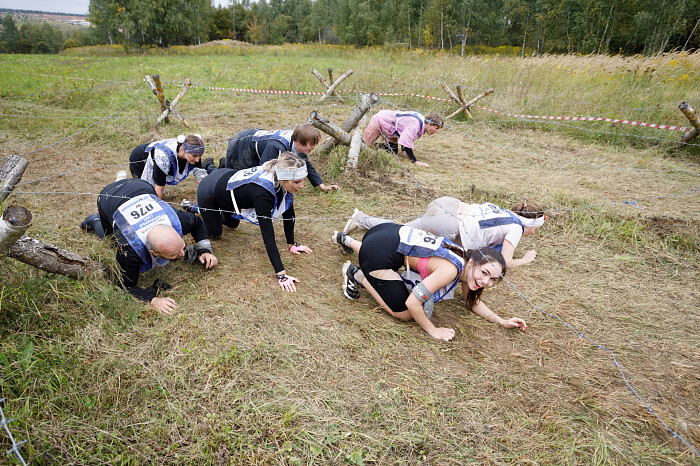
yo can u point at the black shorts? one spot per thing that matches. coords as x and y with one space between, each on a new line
137 160
378 252
212 197
241 151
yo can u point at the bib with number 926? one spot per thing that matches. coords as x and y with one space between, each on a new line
136 217
418 243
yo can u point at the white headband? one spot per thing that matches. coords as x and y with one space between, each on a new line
291 173
531 222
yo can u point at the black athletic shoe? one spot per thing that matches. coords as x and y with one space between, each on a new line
88 224
350 285
338 238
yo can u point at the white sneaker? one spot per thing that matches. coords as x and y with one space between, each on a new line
121 175
352 222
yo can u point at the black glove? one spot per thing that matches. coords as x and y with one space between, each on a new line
161 284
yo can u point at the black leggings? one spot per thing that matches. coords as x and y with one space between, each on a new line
210 205
378 252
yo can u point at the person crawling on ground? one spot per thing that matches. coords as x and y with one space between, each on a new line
148 233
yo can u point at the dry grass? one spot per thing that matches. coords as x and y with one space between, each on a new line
246 374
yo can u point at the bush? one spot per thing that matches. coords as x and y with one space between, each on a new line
71 43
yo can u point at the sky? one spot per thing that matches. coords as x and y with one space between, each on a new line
60 6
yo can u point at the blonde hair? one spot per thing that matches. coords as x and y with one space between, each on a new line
286 160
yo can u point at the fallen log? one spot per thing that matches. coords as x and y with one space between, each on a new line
13 223
348 125
330 128
49 258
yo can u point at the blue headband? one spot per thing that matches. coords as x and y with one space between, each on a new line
192 149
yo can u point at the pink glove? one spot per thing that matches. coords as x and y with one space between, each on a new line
299 248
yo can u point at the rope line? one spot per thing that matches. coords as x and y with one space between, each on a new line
65 91
576 162
366 72
631 203
514 115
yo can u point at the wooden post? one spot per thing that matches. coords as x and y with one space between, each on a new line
459 100
694 120
166 106
452 95
330 89
355 145
171 106
459 94
367 101
320 78
14 222
161 95
330 74
10 173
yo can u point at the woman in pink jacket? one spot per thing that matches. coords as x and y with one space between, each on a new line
400 129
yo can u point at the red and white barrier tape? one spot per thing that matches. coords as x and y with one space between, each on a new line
609 120
533 117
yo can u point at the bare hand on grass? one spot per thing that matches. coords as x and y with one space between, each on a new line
443 333
165 306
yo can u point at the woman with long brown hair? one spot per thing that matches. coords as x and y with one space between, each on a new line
434 266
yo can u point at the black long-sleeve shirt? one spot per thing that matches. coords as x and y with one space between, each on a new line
110 199
253 196
243 152
130 263
159 176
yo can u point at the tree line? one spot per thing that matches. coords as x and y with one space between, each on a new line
527 26
42 38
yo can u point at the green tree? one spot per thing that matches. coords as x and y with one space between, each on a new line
10 36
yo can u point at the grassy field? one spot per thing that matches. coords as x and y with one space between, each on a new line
244 373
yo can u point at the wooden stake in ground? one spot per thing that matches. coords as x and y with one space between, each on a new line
459 100
10 173
165 105
355 145
694 120
16 220
367 101
331 89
